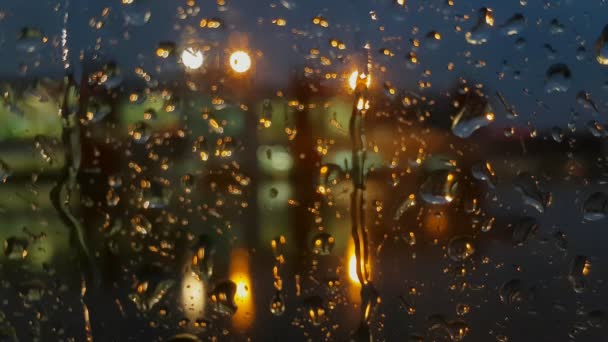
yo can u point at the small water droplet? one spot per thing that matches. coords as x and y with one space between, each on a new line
140 132
461 247
188 182
315 310
584 99
462 309
560 240
323 244
557 134
273 192
483 171
488 224
141 224
46 147
97 110
136 12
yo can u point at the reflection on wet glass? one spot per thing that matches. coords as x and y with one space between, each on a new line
303 170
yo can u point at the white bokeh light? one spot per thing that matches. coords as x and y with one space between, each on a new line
192 58
240 61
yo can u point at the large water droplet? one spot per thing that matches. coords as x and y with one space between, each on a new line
329 176
523 229
579 270
203 252
149 292
555 27
595 206
474 114
136 12
584 99
514 25
184 338
5 171
597 319
531 194
512 292
480 33
222 298
30 40
277 304
279 247
440 187
558 78
15 248
601 47
409 202
596 129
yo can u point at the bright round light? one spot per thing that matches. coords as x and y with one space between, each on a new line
240 61
192 59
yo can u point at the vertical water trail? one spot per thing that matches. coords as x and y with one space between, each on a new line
369 296
65 51
62 193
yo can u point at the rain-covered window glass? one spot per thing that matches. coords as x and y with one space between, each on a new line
304 170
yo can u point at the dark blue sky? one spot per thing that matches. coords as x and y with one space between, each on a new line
518 73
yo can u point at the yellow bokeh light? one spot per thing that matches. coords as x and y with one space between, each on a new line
240 61
243 298
192 58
